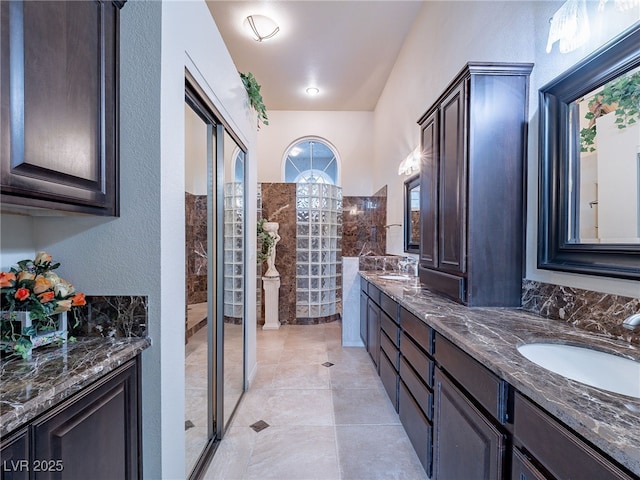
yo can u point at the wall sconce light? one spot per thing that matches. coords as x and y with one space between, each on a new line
261 27
411 164
569 26
621 5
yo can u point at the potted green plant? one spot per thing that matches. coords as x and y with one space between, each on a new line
34 302
265 242
255 97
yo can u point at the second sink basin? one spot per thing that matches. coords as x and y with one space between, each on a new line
394 277
598 369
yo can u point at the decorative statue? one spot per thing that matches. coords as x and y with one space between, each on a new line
272 229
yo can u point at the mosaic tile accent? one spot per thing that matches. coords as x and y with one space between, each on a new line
592 311
259 426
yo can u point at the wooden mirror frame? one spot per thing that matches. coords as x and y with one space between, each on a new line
411 245
555 252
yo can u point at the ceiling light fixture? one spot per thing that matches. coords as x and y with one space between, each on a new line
312 91
262 27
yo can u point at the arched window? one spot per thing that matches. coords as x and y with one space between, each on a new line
311 160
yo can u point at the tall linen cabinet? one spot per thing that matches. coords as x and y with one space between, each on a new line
472 178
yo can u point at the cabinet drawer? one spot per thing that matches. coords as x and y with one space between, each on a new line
389 306
420 362
523 469
417 329
419 391
562 453
389 378
374 293
390 328
418 428
483 385
389 348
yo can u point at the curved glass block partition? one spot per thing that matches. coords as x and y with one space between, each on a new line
233 252
318 252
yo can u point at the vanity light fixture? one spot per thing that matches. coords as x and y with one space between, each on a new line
411 163
261 27
569 26
312 91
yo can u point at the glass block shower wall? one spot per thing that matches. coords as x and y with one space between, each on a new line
233 251
318 250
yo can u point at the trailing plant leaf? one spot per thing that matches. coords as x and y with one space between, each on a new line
265 242
255 97
621 96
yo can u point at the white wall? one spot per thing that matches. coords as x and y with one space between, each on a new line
142 251
351 133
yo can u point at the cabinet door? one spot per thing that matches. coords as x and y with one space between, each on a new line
96 435
466 444
59 105
14 455
429 192
363 318
373 329
452 207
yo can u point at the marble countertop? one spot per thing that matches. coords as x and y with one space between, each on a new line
30 387
491 335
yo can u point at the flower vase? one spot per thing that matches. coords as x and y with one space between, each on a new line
54 332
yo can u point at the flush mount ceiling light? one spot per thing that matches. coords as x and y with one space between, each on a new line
312 91
261 27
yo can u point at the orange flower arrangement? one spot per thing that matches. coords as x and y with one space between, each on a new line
33 286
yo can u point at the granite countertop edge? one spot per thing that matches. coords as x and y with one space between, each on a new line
55 374
609 421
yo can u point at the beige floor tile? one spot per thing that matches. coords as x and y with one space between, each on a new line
363 406
286 407
375 452
295 453
264 376
302 355
233 454
301 376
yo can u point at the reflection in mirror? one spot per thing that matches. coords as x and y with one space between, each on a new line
605 197
412 215
589 210
234 269
200 138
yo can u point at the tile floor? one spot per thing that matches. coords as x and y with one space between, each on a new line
326 423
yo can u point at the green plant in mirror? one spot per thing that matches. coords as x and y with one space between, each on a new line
255 97
265 242
621 96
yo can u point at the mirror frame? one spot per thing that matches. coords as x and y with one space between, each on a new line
410 245
555 252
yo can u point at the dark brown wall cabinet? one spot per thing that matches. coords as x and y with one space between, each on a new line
95 434
59 114
473 141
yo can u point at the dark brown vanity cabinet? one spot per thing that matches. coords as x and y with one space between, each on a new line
473 142
470 410
415 397
94 434
59 114
544 449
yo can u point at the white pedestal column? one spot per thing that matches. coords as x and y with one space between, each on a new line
271 287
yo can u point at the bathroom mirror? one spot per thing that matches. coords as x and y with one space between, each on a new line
412 215
589 210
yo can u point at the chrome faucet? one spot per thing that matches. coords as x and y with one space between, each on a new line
632 321
410 265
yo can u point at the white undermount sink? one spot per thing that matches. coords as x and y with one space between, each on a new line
394 277
598 369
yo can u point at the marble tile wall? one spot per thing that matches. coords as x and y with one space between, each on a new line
369 263
196 248
363 224
279 205
117 316
597 312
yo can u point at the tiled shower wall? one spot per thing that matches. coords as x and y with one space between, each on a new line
196 248
363 225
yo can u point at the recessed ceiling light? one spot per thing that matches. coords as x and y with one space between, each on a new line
312 91
261 27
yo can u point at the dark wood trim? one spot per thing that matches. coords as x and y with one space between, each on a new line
555 252
410 243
